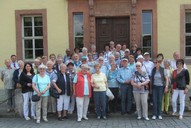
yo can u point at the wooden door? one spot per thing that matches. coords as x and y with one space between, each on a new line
115 29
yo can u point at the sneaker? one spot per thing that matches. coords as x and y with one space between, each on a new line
180 117
8 110
154 117
60 119
104 117
27 118
174 113
38 121
79 119
160 117
45 120
85 118
34 117
98 117
138 118
147 118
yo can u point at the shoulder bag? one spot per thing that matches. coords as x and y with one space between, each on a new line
35 97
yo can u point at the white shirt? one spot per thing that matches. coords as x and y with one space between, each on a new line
14 65
173 64
149 65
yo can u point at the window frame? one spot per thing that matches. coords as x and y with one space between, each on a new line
19 14
74 29
151 34
33 37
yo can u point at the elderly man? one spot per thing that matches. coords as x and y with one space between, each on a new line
176 56
7 78
124 78
67 56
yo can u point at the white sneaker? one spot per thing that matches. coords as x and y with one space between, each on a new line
180 117
160 117
154 117
147 118
138 118
85 118
45 120
27 118
79 119
174 113
34 117
38 121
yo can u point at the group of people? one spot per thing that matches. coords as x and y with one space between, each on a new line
128 73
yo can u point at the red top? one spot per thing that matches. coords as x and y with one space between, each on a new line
80 85
174 76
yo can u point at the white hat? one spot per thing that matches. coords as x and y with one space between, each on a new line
146 53
125 59
140 57
127 50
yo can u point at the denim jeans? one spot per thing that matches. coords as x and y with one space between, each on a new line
126 98
100 102
157 100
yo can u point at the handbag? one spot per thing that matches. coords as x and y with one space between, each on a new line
53 92
109 94
35 97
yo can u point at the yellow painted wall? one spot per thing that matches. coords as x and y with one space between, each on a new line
57 23
168 20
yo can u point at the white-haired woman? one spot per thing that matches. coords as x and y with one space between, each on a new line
103 68
85 52
166 96
41 85
83 91
140 82
53 78
64 88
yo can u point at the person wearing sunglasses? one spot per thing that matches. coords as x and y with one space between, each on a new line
140 81
159 82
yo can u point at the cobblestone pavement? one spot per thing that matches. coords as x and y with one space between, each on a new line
112 122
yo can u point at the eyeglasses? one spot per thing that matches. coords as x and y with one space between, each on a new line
42 69
155 62
138 66
100 60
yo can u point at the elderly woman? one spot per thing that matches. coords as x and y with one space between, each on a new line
180 83
18 93
71 72
83 91
99 84
53 78
36 64
26 84
113 86
41 85
103 68
165 99
140 82
159 85
63 87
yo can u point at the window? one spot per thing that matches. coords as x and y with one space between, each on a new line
188 34
78 30
32 37
147 31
